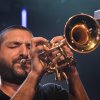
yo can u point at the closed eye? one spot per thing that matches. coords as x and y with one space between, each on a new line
14 44
28 45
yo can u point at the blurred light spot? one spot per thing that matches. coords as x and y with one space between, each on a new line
24 17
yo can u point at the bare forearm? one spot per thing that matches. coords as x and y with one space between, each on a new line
76 87
28 88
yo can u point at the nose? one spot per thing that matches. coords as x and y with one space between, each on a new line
24 51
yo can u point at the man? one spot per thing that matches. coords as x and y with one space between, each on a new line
21 81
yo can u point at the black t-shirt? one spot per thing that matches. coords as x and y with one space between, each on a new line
48 91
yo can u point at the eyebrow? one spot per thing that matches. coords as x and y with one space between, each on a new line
11 42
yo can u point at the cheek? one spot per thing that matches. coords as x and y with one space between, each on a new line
7 60
9 56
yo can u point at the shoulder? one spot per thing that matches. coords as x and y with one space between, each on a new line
55 90
52 86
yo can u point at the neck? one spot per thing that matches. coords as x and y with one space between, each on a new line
8 88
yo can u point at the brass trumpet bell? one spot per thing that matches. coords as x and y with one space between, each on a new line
82 33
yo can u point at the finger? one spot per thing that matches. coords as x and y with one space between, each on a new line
67 51
56 39
42 47
55 60
38 40
34 43
54 53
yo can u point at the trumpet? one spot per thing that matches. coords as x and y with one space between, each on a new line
82 35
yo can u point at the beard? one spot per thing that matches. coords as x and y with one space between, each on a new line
9 74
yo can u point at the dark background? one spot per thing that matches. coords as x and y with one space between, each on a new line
47 18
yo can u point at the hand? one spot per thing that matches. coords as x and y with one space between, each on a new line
56 40
37 45
60 60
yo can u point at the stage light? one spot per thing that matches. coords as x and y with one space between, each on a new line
24 17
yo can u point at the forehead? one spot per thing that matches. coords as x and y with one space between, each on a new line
17 35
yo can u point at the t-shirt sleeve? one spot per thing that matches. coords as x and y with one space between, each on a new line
55 92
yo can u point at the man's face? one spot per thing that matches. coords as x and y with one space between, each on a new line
15 47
